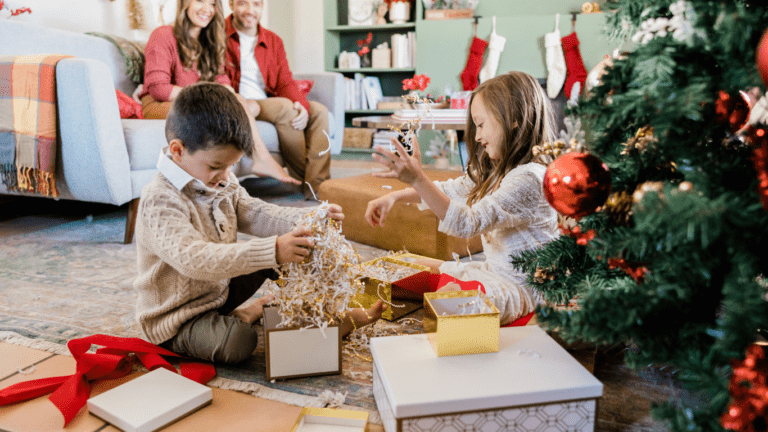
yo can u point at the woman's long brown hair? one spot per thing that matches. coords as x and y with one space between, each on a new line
206 53
519 104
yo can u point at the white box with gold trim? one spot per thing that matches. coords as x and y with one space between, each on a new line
530 382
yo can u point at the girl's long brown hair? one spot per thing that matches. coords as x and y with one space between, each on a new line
206 53
519 104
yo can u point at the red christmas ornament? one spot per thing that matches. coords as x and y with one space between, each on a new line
761 59
758 135
731 110
637 272
576 184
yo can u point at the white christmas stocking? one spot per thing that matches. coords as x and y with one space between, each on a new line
495 46
555 61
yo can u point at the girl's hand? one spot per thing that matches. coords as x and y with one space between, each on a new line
405 168
334 212
294 246
378 209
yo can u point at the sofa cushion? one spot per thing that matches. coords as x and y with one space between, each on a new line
144 139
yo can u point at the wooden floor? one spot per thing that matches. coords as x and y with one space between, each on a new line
625 405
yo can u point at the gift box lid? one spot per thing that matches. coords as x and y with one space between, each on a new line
529 368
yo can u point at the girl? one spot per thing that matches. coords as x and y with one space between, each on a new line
501 195
191 50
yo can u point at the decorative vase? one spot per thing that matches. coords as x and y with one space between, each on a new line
399 12
365 60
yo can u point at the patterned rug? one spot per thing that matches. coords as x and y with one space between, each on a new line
76 279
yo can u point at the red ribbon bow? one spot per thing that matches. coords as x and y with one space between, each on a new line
71 392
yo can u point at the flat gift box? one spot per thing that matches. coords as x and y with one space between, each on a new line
531 383
457 324
331 420
292 352
150 402
404 294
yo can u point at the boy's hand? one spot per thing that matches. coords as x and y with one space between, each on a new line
294 246
334 212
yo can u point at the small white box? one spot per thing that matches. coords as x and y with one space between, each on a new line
330 420
531 381
150 402
293 352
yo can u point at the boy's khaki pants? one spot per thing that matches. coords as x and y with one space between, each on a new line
216 336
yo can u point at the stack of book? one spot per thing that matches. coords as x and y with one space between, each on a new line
362 92
457 116
404 50
383 138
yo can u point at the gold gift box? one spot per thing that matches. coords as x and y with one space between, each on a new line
405 294
455 325
350 420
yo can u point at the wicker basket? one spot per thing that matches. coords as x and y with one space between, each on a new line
355 137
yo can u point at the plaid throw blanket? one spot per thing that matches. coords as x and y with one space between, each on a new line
28 129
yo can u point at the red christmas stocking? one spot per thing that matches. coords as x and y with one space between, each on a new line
474 64
574 63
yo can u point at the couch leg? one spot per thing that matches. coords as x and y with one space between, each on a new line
130 222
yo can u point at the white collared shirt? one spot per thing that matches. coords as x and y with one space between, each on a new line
174 173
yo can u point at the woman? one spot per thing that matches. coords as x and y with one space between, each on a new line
191 50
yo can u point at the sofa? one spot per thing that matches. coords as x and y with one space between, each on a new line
101 157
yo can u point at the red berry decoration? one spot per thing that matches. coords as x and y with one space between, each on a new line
732 110
761 59
758 135
576 184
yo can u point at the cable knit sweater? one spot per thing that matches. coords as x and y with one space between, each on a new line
513 218
188 251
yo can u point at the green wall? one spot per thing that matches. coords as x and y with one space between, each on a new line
443 46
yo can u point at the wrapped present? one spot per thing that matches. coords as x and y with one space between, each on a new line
397 280
294 352
461 322
327 419
530 383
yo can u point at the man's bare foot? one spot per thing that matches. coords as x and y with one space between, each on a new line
270 168
360 317
249 314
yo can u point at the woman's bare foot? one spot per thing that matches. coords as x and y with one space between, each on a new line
270 168
249 314
360 317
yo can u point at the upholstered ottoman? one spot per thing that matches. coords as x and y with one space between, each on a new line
406 227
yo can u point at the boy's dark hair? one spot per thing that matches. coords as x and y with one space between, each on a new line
206 115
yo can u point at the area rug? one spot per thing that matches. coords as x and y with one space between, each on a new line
76 279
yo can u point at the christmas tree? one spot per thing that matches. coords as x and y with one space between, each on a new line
671 264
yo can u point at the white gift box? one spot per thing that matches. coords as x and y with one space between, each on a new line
530 382
294 352
150 402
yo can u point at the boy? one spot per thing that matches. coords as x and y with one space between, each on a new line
193 274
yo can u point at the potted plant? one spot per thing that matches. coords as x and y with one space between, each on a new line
399 11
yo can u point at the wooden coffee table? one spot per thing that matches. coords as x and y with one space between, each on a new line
384 122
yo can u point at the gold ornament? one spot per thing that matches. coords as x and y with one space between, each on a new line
618 207
557 148
542 275
639 194
640 141
685 186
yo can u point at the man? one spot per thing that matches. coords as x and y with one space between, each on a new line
257 65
